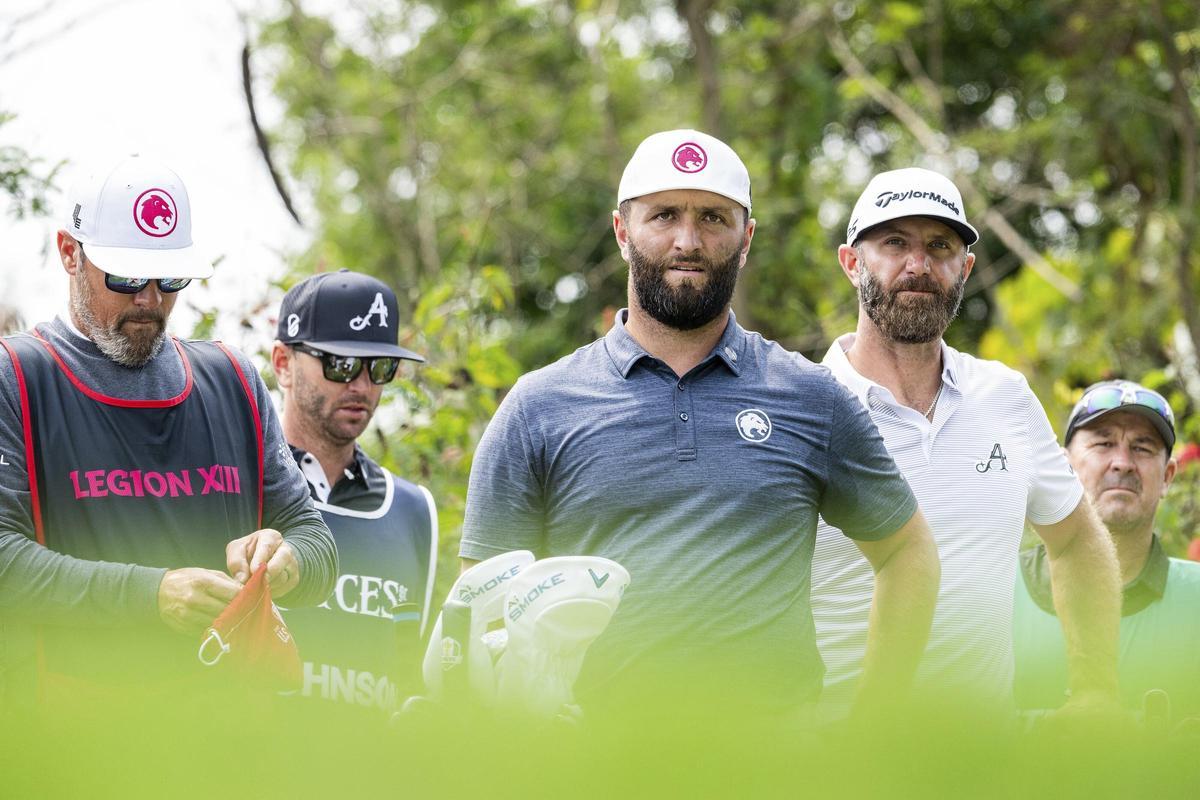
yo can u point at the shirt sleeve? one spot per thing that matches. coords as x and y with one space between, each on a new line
505 509
865 495
37 583
1054 489
288 507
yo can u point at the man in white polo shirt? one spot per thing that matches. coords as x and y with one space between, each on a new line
979 453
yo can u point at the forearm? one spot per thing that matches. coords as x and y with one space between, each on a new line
51 588
906 588
313 544
1087 598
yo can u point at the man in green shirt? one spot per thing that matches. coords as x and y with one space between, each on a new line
1119 439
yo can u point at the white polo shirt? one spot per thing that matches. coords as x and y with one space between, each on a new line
988 462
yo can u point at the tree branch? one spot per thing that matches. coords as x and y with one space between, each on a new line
931 91
693 13
55 32
1185 126
264 146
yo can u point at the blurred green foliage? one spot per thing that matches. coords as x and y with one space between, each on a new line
24 180
442 145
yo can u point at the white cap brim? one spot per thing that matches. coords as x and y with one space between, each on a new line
654 167
130 262
632 191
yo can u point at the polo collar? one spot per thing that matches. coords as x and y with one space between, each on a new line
357 469
1144 590
837 362
625 352
1152 580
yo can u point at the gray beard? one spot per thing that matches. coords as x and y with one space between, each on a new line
128 351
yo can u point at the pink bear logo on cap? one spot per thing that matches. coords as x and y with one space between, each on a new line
154 213
689 157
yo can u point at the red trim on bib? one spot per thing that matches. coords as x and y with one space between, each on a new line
30 460
258 432
117 401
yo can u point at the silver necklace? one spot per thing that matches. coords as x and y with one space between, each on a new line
933 405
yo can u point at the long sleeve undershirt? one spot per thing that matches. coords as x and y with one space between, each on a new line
52 587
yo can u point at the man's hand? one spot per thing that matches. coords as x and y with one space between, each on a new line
244 555
1095 717
1091 708
190 599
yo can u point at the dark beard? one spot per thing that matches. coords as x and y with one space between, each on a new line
687 307
319 412
917 319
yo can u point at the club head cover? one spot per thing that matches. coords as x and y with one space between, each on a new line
554 611
482 589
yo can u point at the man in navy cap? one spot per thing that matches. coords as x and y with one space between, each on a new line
142 478
336 350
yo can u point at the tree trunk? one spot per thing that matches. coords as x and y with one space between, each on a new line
694 13
1186 128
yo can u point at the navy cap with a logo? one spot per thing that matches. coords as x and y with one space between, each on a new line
1103 398
345 313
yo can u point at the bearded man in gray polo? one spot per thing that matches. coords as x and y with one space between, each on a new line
698 455
975 444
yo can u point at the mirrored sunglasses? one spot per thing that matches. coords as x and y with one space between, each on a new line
343 369
1106 398
134 285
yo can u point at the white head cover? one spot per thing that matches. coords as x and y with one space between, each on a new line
135 221
910 192
554 611
483 588
685 159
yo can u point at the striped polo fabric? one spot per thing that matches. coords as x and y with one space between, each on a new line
988 462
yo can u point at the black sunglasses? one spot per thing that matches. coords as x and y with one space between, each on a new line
115 283
343 369
134 285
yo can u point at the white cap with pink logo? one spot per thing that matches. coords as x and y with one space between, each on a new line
135 221
685 159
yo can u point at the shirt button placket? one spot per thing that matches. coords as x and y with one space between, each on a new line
685 425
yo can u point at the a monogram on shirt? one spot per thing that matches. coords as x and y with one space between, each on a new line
997 457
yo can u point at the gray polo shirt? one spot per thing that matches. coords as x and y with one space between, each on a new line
706 488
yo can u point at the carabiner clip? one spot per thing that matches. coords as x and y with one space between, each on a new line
224 648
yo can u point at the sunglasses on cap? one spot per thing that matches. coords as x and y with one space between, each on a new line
1109 396
344 369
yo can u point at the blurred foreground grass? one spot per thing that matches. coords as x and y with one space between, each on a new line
199 746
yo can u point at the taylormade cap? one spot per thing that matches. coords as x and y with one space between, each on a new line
910 192
685 159
345 313
1101 399
135 221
